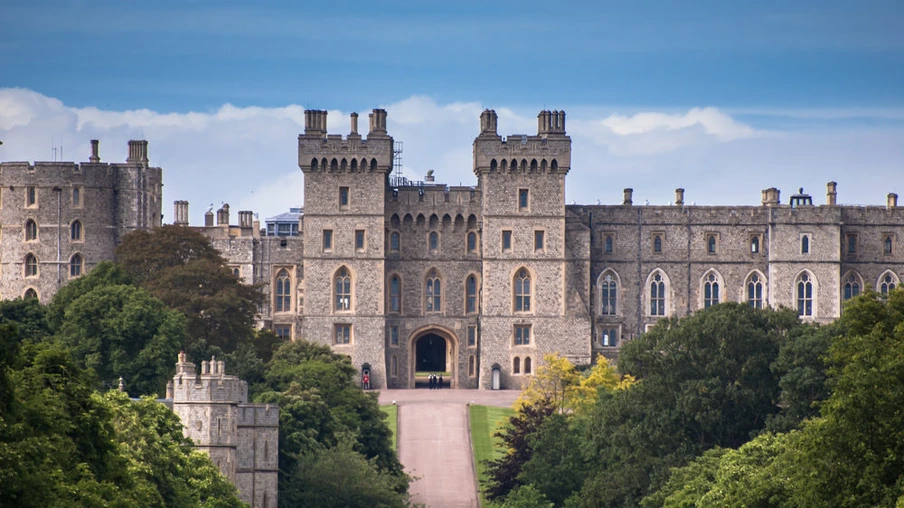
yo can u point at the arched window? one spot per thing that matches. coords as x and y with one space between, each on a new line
75 265
755 244
31 230
283 291
395 241
433 298
657 295
608 246
395 294
75 231
343 289
314 164
851 286
657 243
522 291
804 295
710 290
805 244
608 295
609 337
711 244
516 366
30 293
433 240
493 165
471 366
527 365
755 291
888 244
31 265
472 242
471 294
887 283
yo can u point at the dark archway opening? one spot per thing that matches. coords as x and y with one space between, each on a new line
430 354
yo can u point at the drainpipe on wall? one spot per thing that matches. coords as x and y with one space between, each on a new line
59 192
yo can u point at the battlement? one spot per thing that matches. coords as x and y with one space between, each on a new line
257 415
547 152
212 384
322 152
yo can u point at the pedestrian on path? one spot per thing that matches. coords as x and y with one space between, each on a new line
440 381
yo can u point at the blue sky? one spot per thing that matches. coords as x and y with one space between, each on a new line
807 90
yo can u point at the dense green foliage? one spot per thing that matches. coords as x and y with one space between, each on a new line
705 385
179 266
63 444
327 420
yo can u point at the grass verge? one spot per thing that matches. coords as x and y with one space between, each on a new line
392 421
485 420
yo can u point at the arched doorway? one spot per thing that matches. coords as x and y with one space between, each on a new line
433 350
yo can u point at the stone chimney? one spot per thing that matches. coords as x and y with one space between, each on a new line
488 121
551 122
831 194
138 151
892 200
180 213
246 219
315 122
223 216
629 193
377 122
679 197
354 121
771 197
95 145
208 218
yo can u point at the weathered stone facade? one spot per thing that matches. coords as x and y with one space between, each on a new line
59 219
242 439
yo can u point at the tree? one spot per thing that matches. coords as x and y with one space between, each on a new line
28 316
556 467
703 381
106 273
181 267
527 496
122 331
503 473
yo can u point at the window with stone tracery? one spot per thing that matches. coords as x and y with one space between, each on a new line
522 291
433 294
342 283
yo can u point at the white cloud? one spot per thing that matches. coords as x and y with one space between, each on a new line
247 156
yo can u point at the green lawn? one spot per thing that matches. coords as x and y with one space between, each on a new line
392 421
485 420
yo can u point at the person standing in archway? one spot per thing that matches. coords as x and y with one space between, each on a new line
440 381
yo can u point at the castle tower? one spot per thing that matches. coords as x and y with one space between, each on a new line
534 296
345 183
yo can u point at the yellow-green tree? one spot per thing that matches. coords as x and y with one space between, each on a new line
560 383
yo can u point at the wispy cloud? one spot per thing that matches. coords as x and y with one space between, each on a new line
246 156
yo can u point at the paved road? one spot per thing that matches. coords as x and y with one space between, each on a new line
435 443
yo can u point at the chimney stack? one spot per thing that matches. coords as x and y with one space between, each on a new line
679 197
377 122
315 122
354 119
180 213
892 200
831 194
208 218
629 193
138 151
771 197
246 219
223 216
488 121
95 158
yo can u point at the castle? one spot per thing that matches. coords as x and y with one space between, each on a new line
242 439
480 281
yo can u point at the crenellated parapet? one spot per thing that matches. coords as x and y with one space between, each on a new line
547 152
212 384
319 151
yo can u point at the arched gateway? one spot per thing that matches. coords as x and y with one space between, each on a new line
432 349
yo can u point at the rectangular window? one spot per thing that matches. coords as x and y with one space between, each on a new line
31 196
538 240
852 244
523 199
284 332
76 197
506 241
343 334
888 244
359 240
657 242
522 335
393 335
327 239
608 336
609 244
711 242
472 336
343 198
